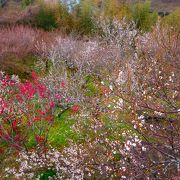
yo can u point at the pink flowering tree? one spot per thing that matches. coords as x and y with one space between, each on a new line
151 97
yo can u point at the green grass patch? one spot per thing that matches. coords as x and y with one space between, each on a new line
91 87
63 131
45 175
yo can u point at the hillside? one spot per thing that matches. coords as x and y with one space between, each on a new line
165 5
160 5
90 91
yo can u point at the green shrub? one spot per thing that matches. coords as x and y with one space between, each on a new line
46 19
143 17
47 174
52 16
85 12
25 3
112 8
64 18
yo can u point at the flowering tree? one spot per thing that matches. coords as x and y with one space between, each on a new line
26 109
137 77
152 99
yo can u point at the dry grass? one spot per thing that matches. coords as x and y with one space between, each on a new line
19 40
17 48
13 13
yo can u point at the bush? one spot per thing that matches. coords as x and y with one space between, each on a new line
18 66
143 17
25 3
52 16
152 96
27 110
84 16
89 11
112 9
64 19
46 19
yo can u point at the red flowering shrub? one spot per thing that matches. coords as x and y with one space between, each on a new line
26 109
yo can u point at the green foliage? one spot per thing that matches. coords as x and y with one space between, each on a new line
81 19
47 174
52 16
88 10
85 12
112 8
62 131
31 142
114 129
46 19
25 3
91 86
142 15
64 19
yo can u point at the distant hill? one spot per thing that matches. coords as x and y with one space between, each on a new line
158 5
165 5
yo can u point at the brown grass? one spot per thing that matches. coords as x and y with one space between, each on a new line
18 48
18 40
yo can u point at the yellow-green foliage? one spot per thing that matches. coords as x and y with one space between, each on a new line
25 3
173 19
91 87
89 10
85 12
46 19
81 19
142 15
52 16
64 19
112 8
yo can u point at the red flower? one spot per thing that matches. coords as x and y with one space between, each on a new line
41 112
48 118
27 89
52 104
3 105
39 139
62 84
34 76
37 118
58 96
75 108
42 90
14 124
28 124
